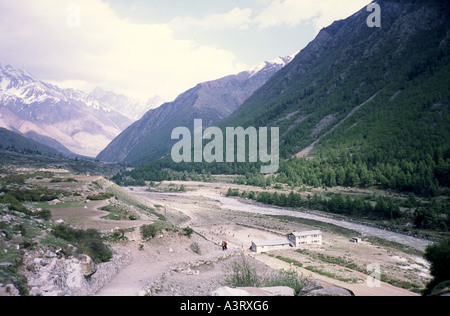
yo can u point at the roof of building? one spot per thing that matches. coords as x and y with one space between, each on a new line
307 233
275 242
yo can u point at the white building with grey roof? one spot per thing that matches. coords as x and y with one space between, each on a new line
313 237
270 245
295 239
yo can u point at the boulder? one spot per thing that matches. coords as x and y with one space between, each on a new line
54 202
88 266
8 290
442 292
279 291
322 288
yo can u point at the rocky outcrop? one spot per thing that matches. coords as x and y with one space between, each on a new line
51 274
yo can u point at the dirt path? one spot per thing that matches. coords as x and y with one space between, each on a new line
158 257
133 278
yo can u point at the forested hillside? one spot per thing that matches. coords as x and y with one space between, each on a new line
370 104
358 107
402 68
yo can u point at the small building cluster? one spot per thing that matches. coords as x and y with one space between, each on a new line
295 240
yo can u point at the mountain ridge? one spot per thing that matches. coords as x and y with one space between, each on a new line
336 73
12 141
61 117
127 106
150 138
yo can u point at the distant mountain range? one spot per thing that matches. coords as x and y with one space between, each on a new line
70 121
150 138
127 106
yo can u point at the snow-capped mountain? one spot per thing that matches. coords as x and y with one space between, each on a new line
150 138
270 66
127 106
17 84
55 116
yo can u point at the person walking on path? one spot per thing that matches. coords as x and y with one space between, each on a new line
224 246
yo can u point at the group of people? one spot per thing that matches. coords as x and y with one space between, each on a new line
224 245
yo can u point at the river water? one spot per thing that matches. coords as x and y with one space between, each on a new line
236 205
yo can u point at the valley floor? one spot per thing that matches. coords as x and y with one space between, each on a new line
218 218
172 264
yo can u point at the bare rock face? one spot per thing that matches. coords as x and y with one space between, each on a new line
51 274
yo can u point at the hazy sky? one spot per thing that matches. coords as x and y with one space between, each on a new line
143 48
